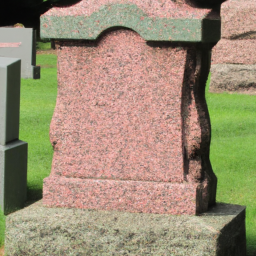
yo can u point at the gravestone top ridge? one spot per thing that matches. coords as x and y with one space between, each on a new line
152 20
7 61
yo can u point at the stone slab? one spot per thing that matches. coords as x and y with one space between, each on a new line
234 52
128 118
38 230
233 78
9 99
153 21
13 176
20 43
132 196
238 19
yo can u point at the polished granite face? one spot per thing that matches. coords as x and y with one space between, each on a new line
118 113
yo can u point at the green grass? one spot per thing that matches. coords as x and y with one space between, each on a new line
2 227
233 151
43 45
38 99
37 104
232 148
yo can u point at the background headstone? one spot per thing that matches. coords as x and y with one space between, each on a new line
13 152
234 57
20 43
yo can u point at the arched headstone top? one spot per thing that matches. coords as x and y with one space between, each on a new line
154 20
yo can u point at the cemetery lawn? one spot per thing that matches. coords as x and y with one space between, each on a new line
232 149
38 99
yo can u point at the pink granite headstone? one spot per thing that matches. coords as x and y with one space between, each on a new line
131 130
234 58
238 33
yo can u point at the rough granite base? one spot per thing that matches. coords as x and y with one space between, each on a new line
38 230
233 78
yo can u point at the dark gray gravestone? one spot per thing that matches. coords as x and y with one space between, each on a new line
20 43
13 152
9 99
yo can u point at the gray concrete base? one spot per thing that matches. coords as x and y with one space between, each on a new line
13 175
38 230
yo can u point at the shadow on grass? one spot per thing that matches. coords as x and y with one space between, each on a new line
251 250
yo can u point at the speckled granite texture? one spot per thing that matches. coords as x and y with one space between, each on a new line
235 52
233 78
163 9
128 118
153 20
238 19
238 33
38 230
237 46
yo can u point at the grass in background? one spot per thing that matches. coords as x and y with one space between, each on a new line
43 45
232 148
233 151
2 228
38 99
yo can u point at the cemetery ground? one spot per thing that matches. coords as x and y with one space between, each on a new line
233 148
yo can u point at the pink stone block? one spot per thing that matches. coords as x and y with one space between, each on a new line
238 18
238 32
234 52
131 129
123 195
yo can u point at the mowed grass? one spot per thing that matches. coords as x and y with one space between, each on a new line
38 99
37 104
233 154
232 148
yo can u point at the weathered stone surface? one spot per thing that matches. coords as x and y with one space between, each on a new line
152 20
238 19
235 52
38 230
238 33
237 46
233 78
